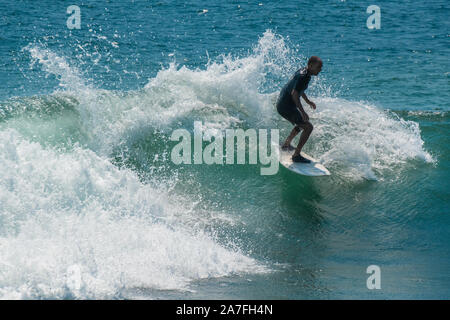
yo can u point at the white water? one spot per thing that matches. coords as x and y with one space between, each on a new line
77 210
361 140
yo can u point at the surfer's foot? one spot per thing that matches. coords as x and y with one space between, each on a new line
287 148
299 158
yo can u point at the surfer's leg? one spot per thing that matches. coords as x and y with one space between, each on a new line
307 129
291 136
292 114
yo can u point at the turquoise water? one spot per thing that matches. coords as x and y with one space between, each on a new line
91 205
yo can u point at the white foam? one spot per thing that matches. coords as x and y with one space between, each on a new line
225 92
63 212
361 140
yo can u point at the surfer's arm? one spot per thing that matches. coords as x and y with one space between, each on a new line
296 97
312 104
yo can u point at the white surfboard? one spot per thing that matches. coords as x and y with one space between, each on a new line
314 168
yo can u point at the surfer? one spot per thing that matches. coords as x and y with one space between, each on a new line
290 107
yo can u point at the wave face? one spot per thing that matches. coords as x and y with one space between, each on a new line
361 138
89 195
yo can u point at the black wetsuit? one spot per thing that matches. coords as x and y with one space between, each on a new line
285 105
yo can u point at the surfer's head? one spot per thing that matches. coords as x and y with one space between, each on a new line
314 65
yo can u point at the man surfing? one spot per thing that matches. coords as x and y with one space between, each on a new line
290 107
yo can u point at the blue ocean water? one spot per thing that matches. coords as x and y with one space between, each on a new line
92 207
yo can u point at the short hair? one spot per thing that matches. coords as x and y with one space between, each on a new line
314 60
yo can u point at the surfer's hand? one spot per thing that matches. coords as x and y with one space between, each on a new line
312 104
